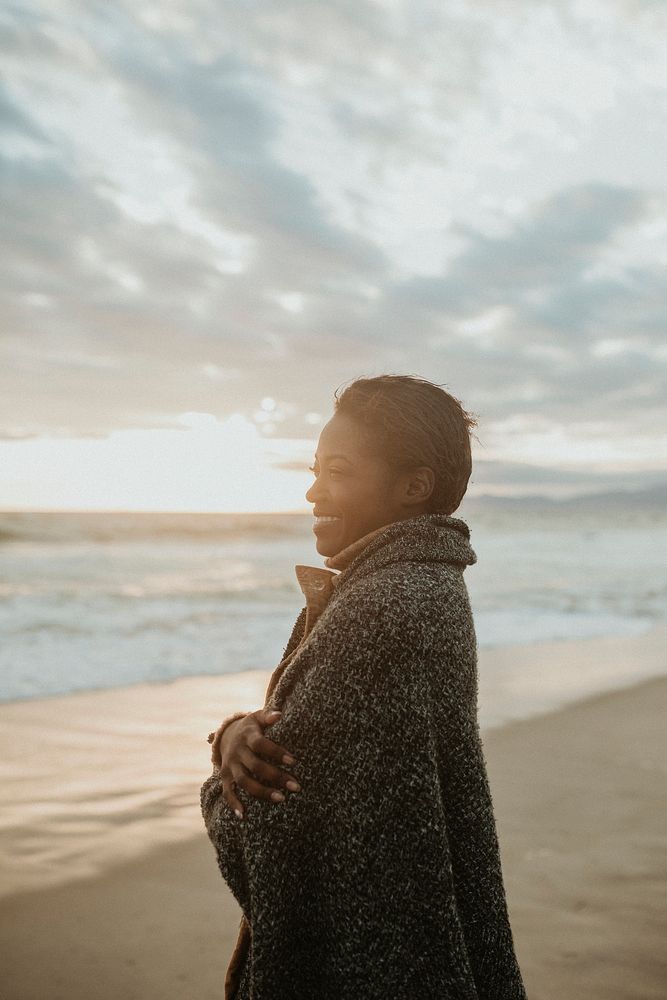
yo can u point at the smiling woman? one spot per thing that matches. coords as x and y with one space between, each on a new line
385 456
379 875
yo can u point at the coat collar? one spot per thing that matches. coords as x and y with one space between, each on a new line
317 584
427 538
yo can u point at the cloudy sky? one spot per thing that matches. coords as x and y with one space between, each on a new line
216 213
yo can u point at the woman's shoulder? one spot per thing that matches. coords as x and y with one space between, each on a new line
394 603
404 585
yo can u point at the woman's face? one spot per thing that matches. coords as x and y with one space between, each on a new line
355 487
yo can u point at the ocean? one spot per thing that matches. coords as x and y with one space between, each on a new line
100 600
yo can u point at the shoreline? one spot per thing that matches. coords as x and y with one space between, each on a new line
503 652
578 806
93 779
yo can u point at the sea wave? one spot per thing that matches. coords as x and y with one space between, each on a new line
89 600
70 527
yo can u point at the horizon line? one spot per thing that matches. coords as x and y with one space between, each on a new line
301 511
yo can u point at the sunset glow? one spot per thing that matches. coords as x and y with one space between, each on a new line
206 465
213 222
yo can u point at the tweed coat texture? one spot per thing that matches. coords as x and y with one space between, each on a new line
382 877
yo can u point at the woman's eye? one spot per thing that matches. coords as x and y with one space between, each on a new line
334 472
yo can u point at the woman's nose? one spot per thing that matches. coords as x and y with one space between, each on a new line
313 492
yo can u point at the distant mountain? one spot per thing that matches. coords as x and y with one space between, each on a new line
651 498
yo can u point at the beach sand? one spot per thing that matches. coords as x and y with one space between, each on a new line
110 887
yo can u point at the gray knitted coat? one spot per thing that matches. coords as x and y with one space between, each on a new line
381 879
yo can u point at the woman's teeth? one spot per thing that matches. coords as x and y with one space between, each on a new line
325 520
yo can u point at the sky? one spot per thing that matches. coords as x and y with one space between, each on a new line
215 214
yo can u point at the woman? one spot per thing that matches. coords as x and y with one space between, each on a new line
379 876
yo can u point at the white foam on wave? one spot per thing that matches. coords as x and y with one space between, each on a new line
108 600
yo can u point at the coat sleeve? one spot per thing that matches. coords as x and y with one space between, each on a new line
219 820
351 888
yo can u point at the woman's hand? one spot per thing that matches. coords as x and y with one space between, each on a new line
236 750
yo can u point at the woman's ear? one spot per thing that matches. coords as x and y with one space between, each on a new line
421 483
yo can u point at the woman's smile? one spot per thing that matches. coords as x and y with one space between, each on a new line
324 521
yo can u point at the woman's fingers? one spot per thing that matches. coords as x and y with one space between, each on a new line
255 788
229 794
266 772
215 746
242 775
261 744
249 761
267 747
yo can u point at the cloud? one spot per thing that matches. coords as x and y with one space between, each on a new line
544 253
522 317
205 207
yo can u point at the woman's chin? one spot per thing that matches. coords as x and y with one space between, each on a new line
328 539
325 547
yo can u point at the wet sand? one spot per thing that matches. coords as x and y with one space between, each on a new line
110 887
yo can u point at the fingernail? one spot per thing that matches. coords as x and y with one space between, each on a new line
277 796
293 787
239 813
288 760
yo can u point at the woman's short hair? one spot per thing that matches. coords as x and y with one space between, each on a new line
411 422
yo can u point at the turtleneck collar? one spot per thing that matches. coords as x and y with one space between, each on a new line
431 537
343 558
317 583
